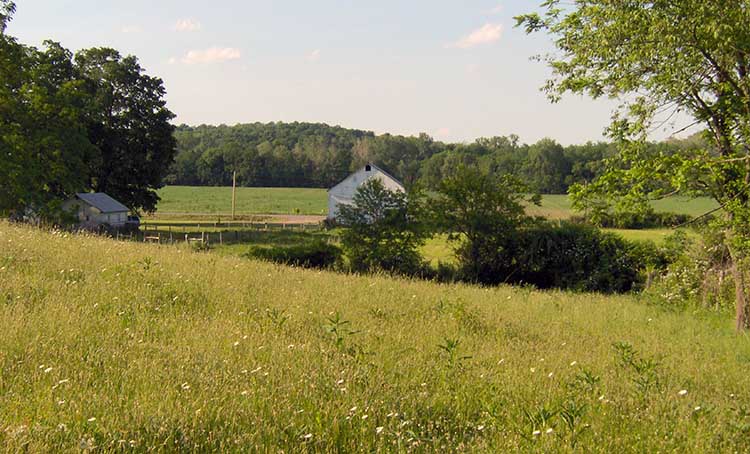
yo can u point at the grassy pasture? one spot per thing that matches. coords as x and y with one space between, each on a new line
121 346
185 201
179 202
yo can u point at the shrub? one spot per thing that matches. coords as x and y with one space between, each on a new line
577 257
646 220
383 230
318 254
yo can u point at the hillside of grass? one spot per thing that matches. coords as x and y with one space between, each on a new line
116 346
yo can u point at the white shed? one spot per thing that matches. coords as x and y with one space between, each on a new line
97 208
343 193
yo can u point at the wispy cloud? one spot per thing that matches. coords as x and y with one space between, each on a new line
187 25
486 34
497 10
442 133
211 55
131 29
313 56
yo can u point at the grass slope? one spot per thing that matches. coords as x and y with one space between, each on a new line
124 346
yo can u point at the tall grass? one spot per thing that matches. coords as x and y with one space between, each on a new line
119 346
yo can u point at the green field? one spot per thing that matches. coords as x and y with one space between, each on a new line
117 346
186 200
179 201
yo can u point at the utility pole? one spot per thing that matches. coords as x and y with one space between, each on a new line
234 192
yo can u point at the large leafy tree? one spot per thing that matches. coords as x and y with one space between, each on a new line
129 123
663 58
44 149
483 213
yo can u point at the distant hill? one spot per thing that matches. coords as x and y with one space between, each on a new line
318 155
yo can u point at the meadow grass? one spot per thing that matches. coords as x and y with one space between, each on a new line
189 201
119 346
181 202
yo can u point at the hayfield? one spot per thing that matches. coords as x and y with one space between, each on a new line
118 346
186 201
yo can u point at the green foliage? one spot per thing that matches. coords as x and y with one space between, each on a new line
129 123
484 213
71 124
384 229
316 254
662 58
576 257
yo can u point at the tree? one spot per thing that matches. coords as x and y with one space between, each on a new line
483 212
43 143
7 9
384 229
129 123
661 58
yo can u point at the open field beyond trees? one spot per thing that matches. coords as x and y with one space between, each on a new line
117 345
187 201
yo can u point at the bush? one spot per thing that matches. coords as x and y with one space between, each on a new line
577 257
309 255
647 220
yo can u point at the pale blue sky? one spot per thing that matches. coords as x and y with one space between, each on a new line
456 70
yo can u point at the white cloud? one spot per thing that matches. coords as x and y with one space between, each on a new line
443 133
211 55
488 33
497 10
187 25
131 29
314 55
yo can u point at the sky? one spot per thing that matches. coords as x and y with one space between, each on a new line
456 70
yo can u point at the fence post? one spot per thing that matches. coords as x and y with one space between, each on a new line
221 240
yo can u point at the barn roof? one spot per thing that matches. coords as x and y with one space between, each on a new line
362 168
102 202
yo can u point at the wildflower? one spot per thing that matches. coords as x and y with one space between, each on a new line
353 409
62 427
682 392
364 416
480 427
244 393
340 382
550 375
533 369
47 370
307 436
237 343
378 430
698 408
549 431
536 433
573 363
185 386
501 361
92 419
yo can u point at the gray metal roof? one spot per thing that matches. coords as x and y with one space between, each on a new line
102 202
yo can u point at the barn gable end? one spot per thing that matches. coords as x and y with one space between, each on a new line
343 193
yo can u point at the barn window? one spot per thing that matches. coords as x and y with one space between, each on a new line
368 168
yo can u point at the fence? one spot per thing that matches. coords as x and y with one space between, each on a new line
199 233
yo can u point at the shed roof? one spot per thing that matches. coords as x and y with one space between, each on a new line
102 202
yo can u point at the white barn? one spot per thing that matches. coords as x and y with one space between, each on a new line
343 193
97 208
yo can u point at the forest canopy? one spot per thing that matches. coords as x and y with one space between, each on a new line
318 155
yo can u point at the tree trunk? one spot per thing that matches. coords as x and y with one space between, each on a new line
739 294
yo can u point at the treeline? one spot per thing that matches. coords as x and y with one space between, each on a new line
318 155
